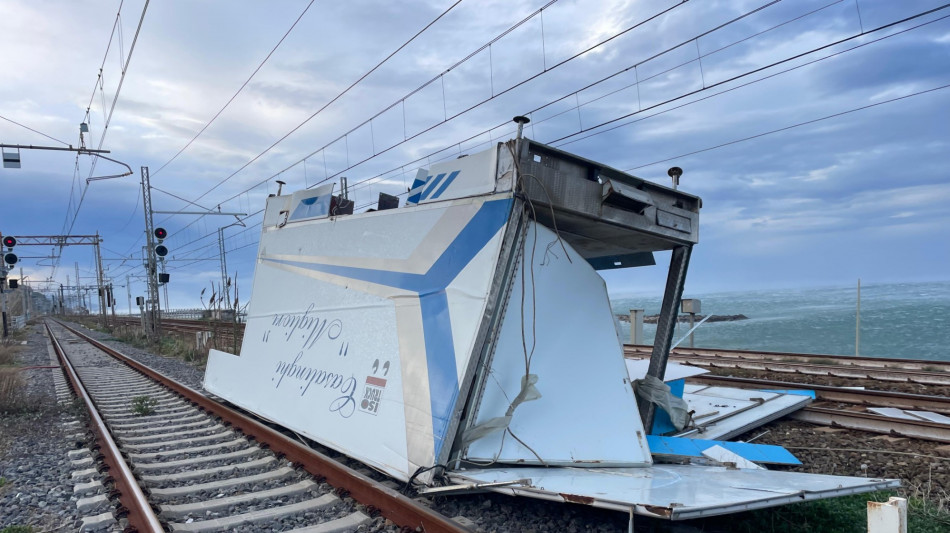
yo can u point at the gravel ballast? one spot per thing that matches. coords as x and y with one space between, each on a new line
38 487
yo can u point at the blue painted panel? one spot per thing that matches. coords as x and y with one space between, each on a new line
448 181
431 184
416 191
758 453
797 392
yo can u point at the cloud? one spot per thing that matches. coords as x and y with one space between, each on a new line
829 190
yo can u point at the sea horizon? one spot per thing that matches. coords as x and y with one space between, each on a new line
898 319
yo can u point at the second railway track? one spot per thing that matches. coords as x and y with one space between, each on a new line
200 470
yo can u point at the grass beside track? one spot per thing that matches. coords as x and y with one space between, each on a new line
170 345
13 398
847 514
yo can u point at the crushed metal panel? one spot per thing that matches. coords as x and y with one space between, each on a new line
586 413
360 327
675 492
721 413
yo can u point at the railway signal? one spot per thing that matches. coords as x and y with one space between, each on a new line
161 234
9 258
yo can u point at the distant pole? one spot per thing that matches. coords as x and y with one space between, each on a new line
636 326
857 324
103 297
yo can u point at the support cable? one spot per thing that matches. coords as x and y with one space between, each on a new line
356 185
772 75
34 131
241 88
460 113
796 125
335 98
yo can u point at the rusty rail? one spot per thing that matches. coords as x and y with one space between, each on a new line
900 400
392 505
816 369
141 516
788 357
873 423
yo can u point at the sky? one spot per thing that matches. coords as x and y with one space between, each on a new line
816 135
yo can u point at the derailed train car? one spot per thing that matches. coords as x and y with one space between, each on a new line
468 337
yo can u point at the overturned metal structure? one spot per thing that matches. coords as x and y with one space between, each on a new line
467 335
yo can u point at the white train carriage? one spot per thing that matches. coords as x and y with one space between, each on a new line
469 331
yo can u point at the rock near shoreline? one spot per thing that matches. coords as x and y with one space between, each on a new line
651 319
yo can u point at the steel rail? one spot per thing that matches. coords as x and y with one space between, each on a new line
141 515
875 398
841 360
833 370
873 423
392 505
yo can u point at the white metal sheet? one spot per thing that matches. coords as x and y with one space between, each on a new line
350 338
637 368
892 412
675 492
559 324
932 417
907 414
719 454
722 412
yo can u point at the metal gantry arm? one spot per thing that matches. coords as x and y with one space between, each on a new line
665 325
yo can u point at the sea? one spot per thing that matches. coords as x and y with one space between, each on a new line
904 320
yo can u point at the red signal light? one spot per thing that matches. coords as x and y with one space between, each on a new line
9 242
161 233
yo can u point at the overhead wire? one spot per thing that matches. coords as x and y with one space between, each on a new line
358 184
460 113
335 98
796 125
115 100
746 84
34 131
775 74
807 122
861 33
665 51
240 89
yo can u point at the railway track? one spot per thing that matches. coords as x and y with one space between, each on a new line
786 360
192 464
836 407
891 370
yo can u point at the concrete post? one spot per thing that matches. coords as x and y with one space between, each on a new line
890 517
636 326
